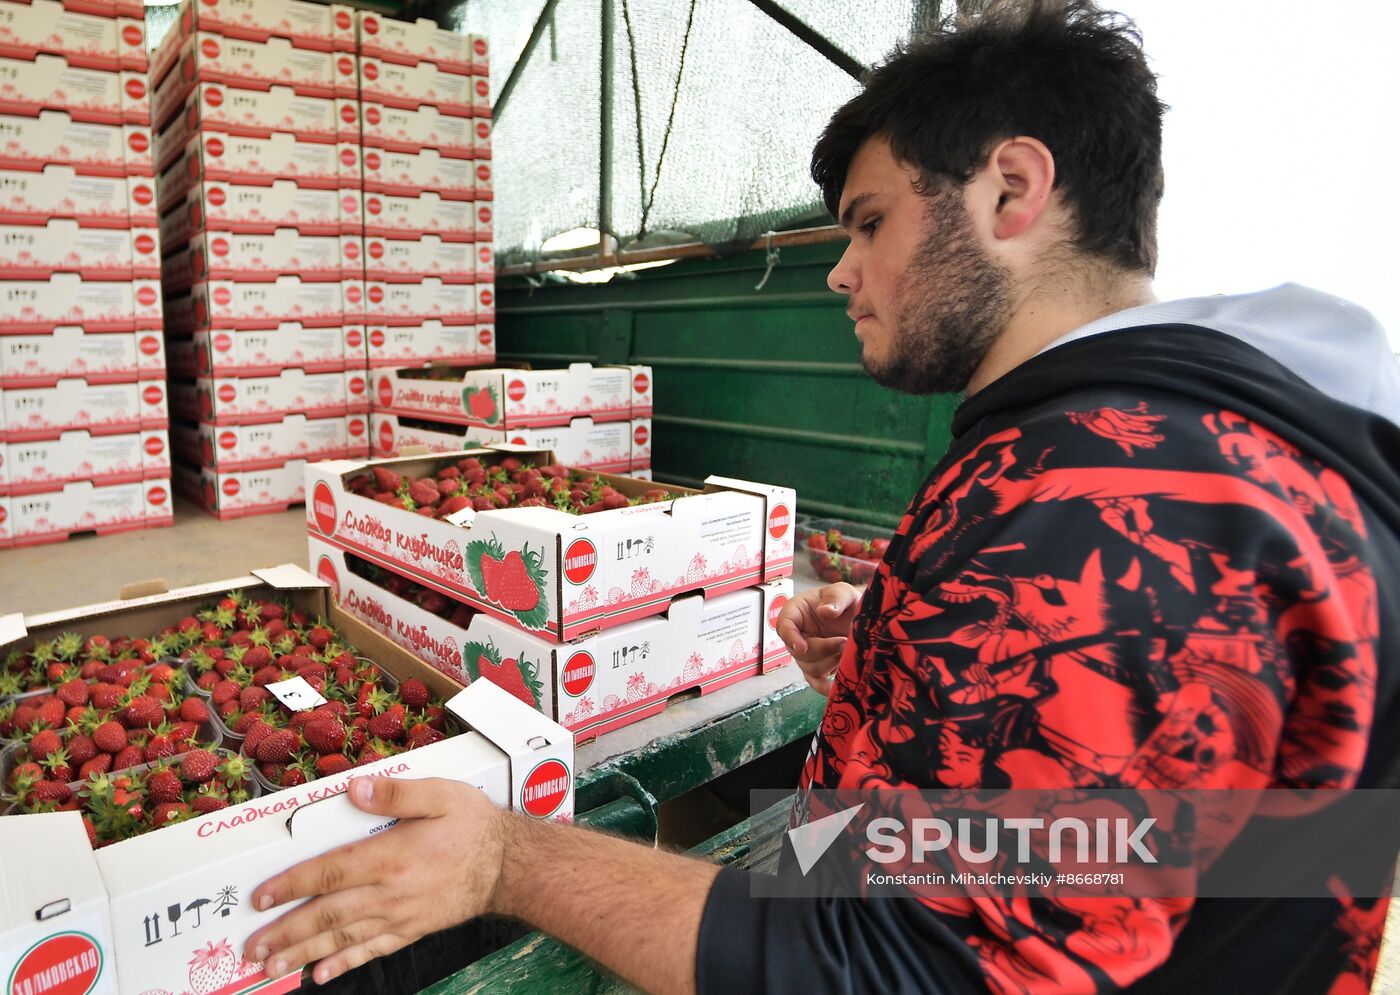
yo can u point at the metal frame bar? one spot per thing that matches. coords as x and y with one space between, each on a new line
536 33
605 134
824 47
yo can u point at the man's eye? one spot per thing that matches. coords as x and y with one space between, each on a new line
869 227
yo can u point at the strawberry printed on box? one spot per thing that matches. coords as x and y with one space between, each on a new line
82 506
555 573
109 408
416 215
397 129
508 398
426 342
32 198
255 447
428 298
210 58
404 174
48 464
108 357
209 865
239 493
56 82
410 42
32 252
67 299
406 260
55 138
253 400
409 86
86 39
259 352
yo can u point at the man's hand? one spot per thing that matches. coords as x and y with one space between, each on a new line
815 626
438 867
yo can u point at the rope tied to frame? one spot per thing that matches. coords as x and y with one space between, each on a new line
774 256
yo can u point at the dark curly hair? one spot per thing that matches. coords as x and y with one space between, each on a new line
1062 71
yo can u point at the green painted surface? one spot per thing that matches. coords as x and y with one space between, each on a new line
765 385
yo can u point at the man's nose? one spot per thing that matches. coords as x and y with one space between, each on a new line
844 277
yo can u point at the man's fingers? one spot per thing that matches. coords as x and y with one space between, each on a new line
340 869
357 956
401 798
791 635
824 650
339 914
821 685
836 600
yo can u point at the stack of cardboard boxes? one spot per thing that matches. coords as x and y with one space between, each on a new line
83 407
257 149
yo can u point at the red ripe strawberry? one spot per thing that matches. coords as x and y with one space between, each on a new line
358 736
161 693
436 716
109 737
187 624
229 712
204 804
414 694
159 747
250 698
332 764
277 747
483 504
388 724
425 511
325 734
25 716
423 735
257 657
424 492
162 672
194 710
50 791
198 766
337 708
226 666
453 505
53 674
74 715
292 776
52 712
168 812
212 633
164 786
311 669
45 744
143 712
266 676
74 692
273 772
90 670
223 691
817 541
81 749
369 755
207 681
104 695
386 480
449 473
183 732
320 636
91 831
272 610
128 756
99 764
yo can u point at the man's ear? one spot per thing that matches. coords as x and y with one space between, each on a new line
1021 175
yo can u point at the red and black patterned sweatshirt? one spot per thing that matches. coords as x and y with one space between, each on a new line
1152 558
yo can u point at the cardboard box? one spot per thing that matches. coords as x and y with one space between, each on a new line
210 58
509 398
414 303
410 86
46 26
597 683
392 216
73 403
229 448
55 82
67 299
606 447
32 252
252 161
409 42
258 352
55 138
131 39
33 197
136 97
403 260
407 174
225 256
251 210
224 304
343 32
259 400
519 758
50 464
416 345
239 493
82 506
588 571
423 127
481 55
243 112
107 357
308 25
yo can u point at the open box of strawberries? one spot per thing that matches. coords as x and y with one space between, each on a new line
842 551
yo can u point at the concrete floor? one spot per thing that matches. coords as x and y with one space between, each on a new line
197 549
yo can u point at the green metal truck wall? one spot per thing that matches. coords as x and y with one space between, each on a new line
759 384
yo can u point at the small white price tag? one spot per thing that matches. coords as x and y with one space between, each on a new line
464 517
296 694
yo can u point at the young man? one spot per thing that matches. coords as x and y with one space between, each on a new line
1153 557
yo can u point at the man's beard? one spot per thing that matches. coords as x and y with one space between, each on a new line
953 303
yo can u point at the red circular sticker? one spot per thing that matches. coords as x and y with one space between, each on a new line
231 486
223 342
640 383
483 214
480 46
347 114
483 130
545 789
211 3
357 385
350 204
371 70
482 88
153 394
139 142
778 521
156 495
217 196
223 296
325 570
371 26
371 160
213 96
483 173
641 435
484 335
519 440
214 146
135 89
376 250
146 296
219 246
155 445
3 516
357 427
352 249
373 205
227 440
145 244
515 390
372 114
210 48
143 195
386 438
376 338
484 253
150 345
487 297
580 560
353 338
376 294
323 507
776 609
579 672
227 393
132 35
352 293
347 156
193 168
347 65
386 391
342 20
